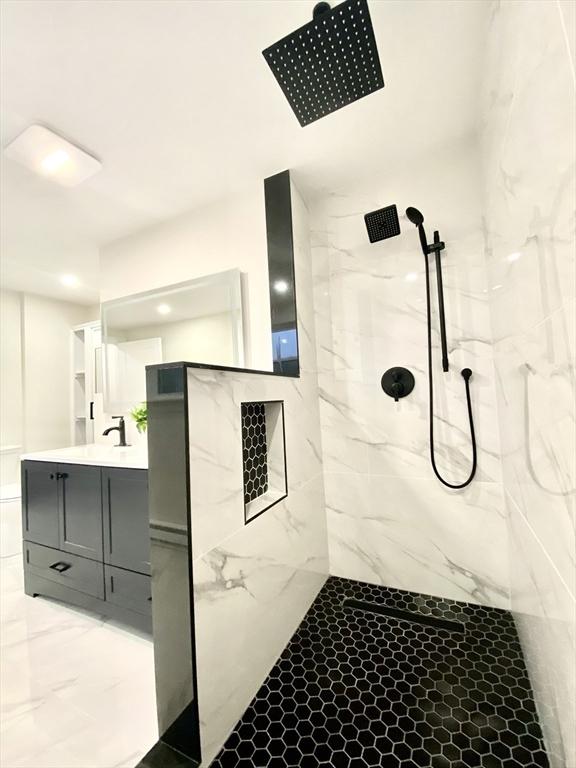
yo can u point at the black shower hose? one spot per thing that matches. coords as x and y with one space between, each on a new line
466 375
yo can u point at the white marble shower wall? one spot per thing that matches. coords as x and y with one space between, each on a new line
389 520
253 583
529 137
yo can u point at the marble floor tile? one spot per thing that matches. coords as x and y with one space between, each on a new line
10 527
77 691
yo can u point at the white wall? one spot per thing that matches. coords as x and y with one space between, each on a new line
530 199
225 235
47 379
11 432
390 521
211 338
10 370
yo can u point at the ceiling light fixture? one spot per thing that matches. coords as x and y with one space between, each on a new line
411 277
70 281
48 154
52 163
163 309
280 286
514 256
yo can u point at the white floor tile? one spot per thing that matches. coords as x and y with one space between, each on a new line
77 691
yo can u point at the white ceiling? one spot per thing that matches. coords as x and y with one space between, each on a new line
176 100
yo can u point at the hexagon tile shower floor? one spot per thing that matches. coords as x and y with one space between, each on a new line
355 689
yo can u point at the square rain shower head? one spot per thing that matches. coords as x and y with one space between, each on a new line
382 224
329 62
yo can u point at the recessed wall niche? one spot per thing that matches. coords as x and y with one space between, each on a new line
263 456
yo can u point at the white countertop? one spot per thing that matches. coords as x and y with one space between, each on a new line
131 457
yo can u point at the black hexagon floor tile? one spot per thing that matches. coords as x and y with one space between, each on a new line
357 689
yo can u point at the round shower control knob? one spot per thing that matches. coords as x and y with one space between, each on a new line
397 382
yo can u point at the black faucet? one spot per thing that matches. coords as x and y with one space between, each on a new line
121 429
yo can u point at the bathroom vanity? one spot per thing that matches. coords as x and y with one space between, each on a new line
86 531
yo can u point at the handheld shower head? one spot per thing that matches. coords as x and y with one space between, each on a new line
415 216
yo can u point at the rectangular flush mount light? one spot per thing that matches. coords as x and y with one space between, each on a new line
49 155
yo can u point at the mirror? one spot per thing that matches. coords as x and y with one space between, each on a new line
198 321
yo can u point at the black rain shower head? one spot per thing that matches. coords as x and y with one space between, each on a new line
329 62
382 224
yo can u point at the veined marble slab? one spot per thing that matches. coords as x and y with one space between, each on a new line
529 166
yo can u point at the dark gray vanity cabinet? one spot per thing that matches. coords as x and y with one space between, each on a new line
40 517
62 507
86 537
126 530
80 503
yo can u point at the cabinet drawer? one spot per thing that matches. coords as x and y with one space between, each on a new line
128 589
69 570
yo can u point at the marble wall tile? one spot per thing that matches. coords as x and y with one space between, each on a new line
568 21
529 159
251 592
537 392
376 324
389 520
545 614
529 206
403 532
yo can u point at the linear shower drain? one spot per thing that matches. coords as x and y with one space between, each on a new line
398 613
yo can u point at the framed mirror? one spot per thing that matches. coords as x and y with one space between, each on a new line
198 321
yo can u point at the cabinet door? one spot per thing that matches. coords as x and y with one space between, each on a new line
126 527
40 503
128 589
80 510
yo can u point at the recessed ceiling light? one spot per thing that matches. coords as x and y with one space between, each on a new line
280 286
48 154
163 309
411 277
514 256
71 281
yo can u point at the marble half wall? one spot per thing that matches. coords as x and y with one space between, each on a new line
390 521
254 582
529 170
